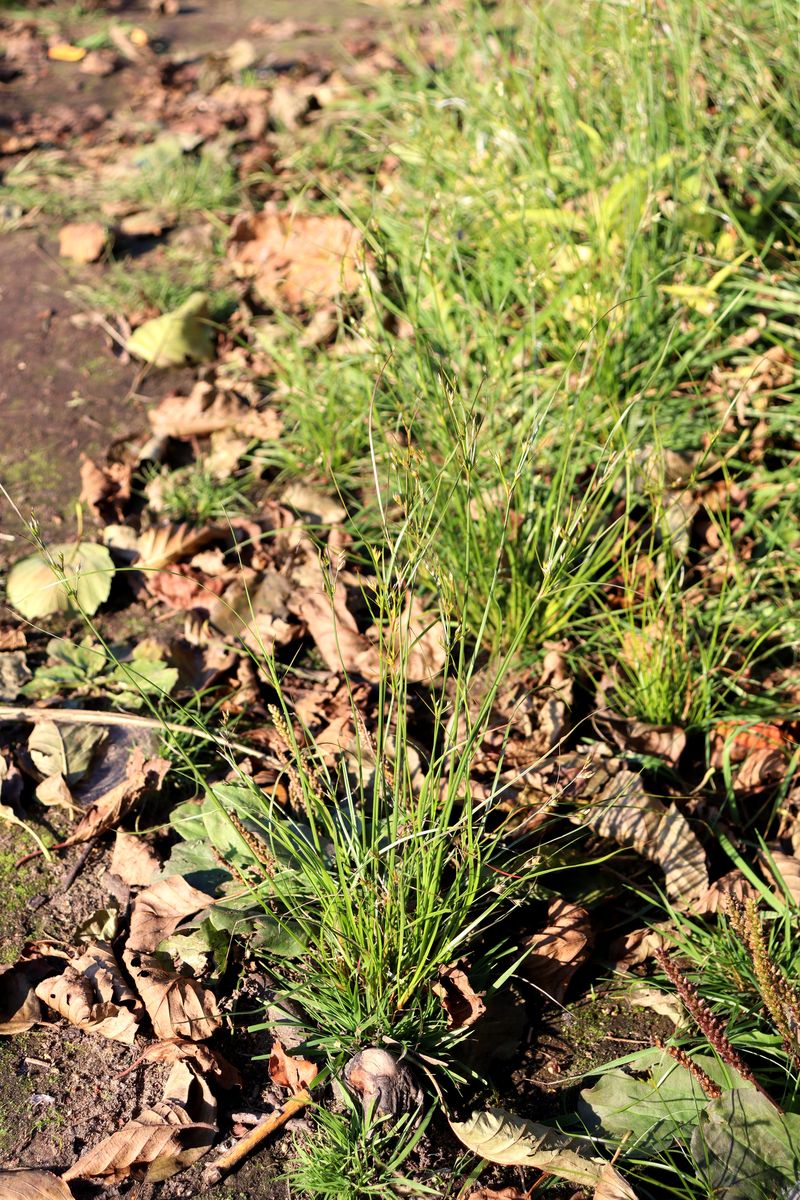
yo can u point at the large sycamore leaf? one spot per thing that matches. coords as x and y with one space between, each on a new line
162 1140
178 338
36 585
746 1147
32 1185
177 1005
511 1141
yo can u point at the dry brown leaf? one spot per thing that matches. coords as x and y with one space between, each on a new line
732 886
207 1060
556 953
764 768
333 628
636 947
732 741
160 547
784 870
100 63
141 777
107 489
82 241
177 1005
158 911
617 807
180 588
313 502
53 792
133 860
506 1193
91 993
163 1139
22 1184
665 741
611 1186
289 1071
297 261
462 1005
19 1006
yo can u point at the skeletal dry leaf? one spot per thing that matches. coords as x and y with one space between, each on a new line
501 1137
290 1071
141 776
462 1005
164 1139
133 860
618 808
178 1005
22 1184
158 911
297 260
556 952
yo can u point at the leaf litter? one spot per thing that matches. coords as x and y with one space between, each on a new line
286 580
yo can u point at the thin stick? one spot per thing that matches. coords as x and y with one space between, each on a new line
231 1158
96 716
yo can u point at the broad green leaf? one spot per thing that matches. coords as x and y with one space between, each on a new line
511 1141
87 657
177 338
149 675
668 1104
36 588
747 1148
64 750
195 860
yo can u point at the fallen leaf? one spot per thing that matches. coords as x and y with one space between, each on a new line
611 1186
506 1193
207 1060
82 241
664 741
556 953
54 793
147 223
178 338
297 260
635 947
333 628
22 1184
160 546
784 870
612 801
733 741
92 994
105 489
158 911
163 1139
289 1071
133 860
313 502
141 777
462 1005
65 750
385 1085
14 674
503 1138
19 1006
35 588
100 63
66 53
177 1005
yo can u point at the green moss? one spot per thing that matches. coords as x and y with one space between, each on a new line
18 886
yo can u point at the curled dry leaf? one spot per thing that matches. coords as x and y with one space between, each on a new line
733 742
133 860
511 1141
732 886
158 911
65 750
107 489
290 1071
92 994
611 1186
617 807
385 1085
663 741
462 1005
636 947
163 1139
22 1184
296 260
556 953
19 1006
141 777
177 1005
